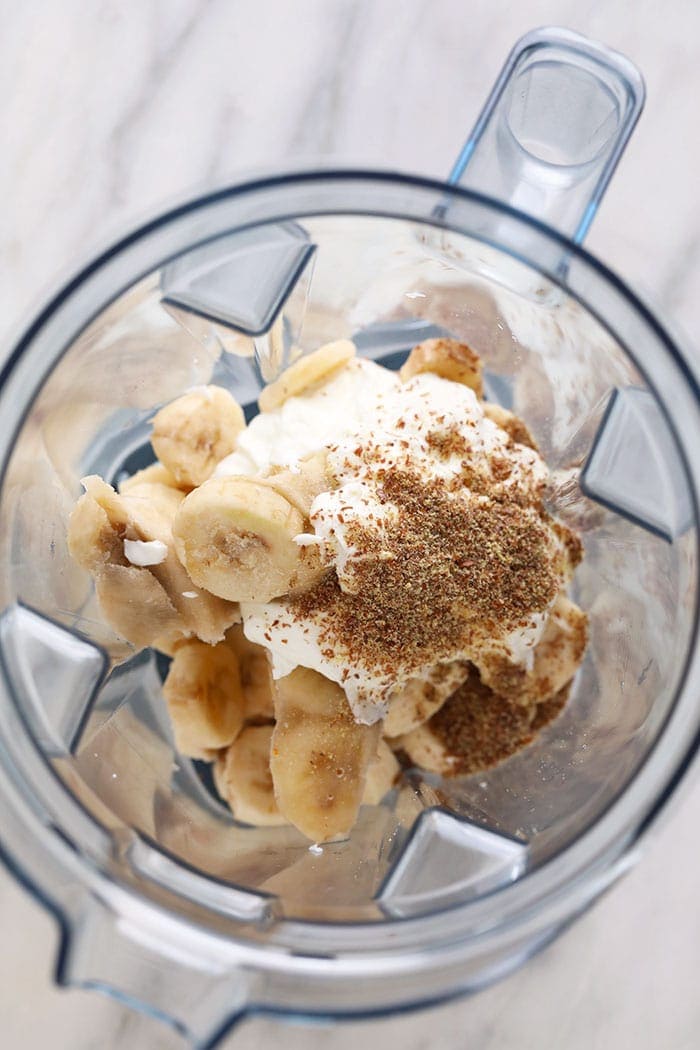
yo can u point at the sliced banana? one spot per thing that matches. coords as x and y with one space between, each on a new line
93 541
204 697
556 658
209 754
152 495
131 599
559 652
169 642
447 358
193 433
135 604
235 537
306 372
320 755
381 775
514 427
421 698
256 676
155 474
143 604
243 779
201 614
106 497
303 485
156 487
573 548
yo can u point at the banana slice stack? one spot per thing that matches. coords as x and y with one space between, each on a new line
142 602
176 549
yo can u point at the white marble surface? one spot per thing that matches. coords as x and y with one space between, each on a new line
108 109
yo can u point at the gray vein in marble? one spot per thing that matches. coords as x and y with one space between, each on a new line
154 80
330 84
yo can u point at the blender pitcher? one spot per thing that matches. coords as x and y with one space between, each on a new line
164 900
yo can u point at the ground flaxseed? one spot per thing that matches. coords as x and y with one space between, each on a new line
442 575
481 729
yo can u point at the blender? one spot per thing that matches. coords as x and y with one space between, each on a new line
163 899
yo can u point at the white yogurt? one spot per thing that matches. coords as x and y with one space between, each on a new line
310 421
145 552
367 407
404 418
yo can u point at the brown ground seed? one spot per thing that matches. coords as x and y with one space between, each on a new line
550 709
482 729
444 576
445 571
448 442
519 433
572 543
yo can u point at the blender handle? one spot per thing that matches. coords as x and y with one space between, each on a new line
553 129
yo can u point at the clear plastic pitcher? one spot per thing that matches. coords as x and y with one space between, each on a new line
164 900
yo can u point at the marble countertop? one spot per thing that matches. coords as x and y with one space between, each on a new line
110 109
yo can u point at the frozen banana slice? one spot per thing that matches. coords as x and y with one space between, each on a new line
93 541
193 433
421 698
256 675
557 657
235 537
105 496
243 779
447 358
202 614
306 372
131 599
204 697
474 730
559 652
156 486
381 775
135 604
573 548
169 641
155 474
302 486
152 495
514 427
320 755
168 600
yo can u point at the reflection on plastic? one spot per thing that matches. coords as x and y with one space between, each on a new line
634 468
242 279
449 859
56 672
